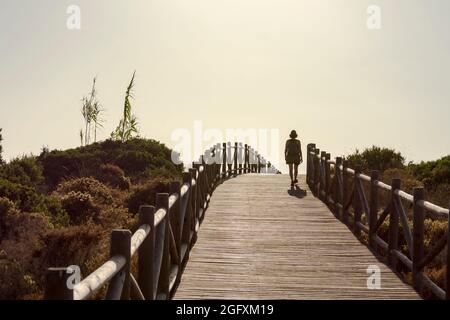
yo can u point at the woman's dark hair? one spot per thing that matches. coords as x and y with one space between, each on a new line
293 134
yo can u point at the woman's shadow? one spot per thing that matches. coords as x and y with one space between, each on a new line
295 191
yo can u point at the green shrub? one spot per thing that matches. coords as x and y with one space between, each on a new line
146 193
25 197
440 194
134 157
54 209
7 209
435 176
80 206
76 197
376 158
432 173
87 200
25 171
113 176
98 191
21 250
409 182
75 245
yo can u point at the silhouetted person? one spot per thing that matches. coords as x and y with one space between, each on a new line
293 156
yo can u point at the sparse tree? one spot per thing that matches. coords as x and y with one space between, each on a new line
97 118
92 114
128 125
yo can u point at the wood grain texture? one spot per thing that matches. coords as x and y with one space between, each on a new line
260 242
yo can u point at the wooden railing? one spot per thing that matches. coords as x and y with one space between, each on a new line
344 190
165 234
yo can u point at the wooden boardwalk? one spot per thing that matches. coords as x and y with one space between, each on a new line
259 241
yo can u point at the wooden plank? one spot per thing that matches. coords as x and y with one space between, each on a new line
260 242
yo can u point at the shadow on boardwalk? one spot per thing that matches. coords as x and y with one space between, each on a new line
297 192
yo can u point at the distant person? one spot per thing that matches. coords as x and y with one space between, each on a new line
293 156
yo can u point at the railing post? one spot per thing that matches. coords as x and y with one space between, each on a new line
338 193
120 245
316 172
245 158
309 165
418 234
322 186
195 208
189 214
224 160
447 276
327 176
146 253
357 204
259 163
229 160
162 202
250 158
56 284
253 160
373 215
175 219
240 157
394 221
218 163
345 191
235 158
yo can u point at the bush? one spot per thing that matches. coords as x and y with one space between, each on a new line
134 157
439 194
25 171
54 209
435 175
432 173
408 181
113 176
25 197
80 206
90 186
146 193
7 209
76 245
76 197
87 200
21 254
376 158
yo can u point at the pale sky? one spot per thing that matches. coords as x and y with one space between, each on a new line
313 66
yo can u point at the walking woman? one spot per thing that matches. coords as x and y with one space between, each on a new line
293 156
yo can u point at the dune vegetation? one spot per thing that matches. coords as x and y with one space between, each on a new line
58 208
434 177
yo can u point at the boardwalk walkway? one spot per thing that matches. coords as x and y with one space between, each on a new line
260 242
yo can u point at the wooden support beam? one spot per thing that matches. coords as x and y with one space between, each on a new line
418 236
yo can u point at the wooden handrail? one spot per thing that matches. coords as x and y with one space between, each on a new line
165 234
339 193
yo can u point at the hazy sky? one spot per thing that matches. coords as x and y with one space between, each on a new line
262 64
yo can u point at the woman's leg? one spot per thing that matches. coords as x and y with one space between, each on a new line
291 165
295 171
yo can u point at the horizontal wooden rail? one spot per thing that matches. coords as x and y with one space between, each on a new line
165 234
344 189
